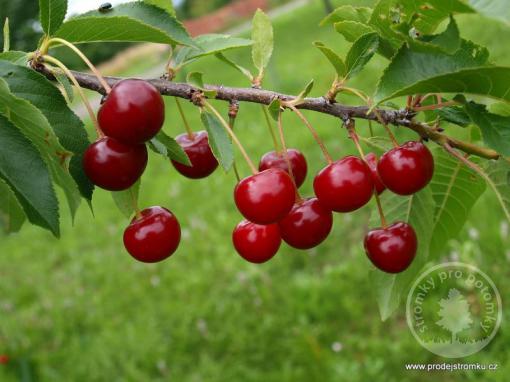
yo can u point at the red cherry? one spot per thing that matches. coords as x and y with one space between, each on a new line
371 160
256 243
4 359
307 224
113 165
266 197
392 249
406 169
154 236
203 162
345 185
133 112
297 160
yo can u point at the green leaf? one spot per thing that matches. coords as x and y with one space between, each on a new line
498 178
12 215
66 85
219 140
413 72
449 41
196 79
274 109
262 36
500 108
455 189
7 36
15 57
353 30
333 58
22 168
135 22
35 88
166 5
234 65
52 14
360 53
348 13
304 93
127 200
495 9
455 115
33 124
167 146
495 128
415 210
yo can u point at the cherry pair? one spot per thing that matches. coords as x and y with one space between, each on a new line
132 114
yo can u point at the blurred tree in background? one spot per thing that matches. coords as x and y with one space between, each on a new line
23 14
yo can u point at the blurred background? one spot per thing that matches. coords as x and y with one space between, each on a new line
81 309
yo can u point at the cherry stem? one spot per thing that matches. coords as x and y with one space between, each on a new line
233 136
231 122
286 155
357 93
435 106
191 135
355 139
271 129
313 131
371 128
467 162
91 66
138 213
386 127
86 102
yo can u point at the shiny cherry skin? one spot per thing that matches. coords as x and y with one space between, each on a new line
344 185
392 249
372 160
133 112
307 225
256 243
407 169
114 166
266 197
297 161
154 236
203 162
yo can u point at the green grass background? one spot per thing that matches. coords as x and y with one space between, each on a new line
80 309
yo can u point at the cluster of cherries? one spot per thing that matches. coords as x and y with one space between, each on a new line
268 201
133 113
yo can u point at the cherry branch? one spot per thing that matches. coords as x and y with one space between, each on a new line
401 117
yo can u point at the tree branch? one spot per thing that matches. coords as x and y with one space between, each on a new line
401 117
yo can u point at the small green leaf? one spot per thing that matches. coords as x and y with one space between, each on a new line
127 200
333 58
34 125
415 210
219 140
22 168
348 13
66 85
304 93
167 146
455 115
495 128
52 14
455 189
498 178
262 36
166 5
353 30
12 216
196 79
360 53
135 22
274 109
7 36
236 66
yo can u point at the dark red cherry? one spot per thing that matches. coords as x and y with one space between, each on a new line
345 185
371 160
256 243
392 249
297 161
4 359
113 165
154 236
406 169
133 112
265 197
203 162
307 225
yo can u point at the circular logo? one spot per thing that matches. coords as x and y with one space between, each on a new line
454 310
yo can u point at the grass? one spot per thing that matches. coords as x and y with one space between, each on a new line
80 309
